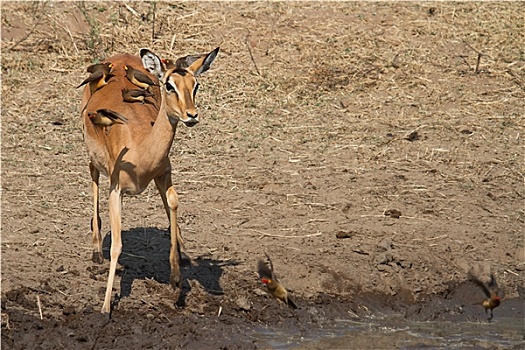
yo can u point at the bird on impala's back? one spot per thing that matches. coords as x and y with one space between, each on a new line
106 117
139 78
100 75
137 95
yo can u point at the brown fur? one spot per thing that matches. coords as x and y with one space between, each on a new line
135 153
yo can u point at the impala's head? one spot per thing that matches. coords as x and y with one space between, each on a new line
179 82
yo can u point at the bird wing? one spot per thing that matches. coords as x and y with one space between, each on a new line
271 267
140 92
480 284
98 67
142 77
493 282
112 114
494 287
93 77
264 270
291 303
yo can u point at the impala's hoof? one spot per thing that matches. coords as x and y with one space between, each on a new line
176 280
97 258
106 310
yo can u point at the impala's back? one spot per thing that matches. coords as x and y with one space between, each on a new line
140 116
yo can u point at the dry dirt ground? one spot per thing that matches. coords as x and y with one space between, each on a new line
374 150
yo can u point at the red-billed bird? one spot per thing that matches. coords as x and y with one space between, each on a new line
100 74
139 78
275 288
138 95
106 117
491 291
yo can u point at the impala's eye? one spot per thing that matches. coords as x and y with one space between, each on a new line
195 89
170 87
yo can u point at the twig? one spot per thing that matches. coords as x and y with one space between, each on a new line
39 306
251 55
220 311
283 236
172 42
130 9
512 272
438 237
476 70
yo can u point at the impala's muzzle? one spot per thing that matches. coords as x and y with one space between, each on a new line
192 119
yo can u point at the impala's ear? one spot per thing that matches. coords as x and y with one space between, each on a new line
152 63
200 63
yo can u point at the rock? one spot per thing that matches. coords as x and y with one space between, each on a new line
385 244
520 266
393 213
343 234
259 292
243 303
413 136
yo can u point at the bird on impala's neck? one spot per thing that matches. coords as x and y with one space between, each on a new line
100 75
138 95
275 288
168 64
139 78
491 291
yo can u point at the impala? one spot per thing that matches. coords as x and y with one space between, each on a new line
132 154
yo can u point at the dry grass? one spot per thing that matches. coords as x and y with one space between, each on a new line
307 110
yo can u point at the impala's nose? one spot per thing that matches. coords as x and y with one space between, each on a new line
192 116
192 119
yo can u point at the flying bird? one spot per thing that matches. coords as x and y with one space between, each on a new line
275 288
491 291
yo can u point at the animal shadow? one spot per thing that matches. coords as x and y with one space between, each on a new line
145 254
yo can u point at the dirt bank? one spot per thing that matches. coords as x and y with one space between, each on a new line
374 150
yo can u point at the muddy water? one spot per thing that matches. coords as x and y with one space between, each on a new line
395 332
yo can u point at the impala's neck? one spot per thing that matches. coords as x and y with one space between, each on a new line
157 145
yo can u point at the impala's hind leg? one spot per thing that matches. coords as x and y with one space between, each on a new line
96 222
171 201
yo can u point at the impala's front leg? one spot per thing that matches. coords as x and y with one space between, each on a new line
96 223
175 276
167 191
115 202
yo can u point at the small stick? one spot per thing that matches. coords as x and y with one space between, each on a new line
512 272
283 236
476 70
130 9
39 306
251 55
438 237
220 311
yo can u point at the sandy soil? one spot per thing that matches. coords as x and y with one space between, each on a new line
375 151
